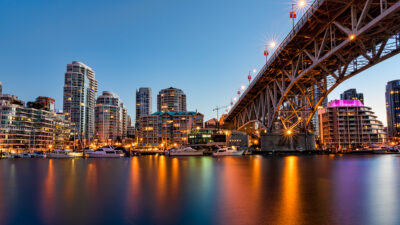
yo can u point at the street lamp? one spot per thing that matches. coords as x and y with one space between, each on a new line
300 4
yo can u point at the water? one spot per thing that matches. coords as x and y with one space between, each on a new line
202 190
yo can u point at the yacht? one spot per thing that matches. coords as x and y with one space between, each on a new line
185 151
105 152
6 155
60 154
22 155
227 151
38 154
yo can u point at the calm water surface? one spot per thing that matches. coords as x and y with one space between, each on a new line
202 190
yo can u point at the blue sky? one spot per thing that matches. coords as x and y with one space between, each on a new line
205 48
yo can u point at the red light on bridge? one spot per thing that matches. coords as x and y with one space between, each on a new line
293 15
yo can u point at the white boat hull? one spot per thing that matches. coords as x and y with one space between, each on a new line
199 153
91 155
59 156
236 153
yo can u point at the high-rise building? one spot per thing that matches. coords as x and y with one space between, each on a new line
352 94
143 103
393 109
348 125
169 128
111 118
45 103
28 129
1 88
171 100
317 96
80 92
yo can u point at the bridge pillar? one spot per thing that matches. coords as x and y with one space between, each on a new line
280 142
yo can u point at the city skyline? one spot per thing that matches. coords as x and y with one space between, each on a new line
220 63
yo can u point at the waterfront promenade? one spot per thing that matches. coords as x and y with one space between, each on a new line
314 189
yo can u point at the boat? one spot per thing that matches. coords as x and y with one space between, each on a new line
60 154
227 151
185 151
105 152
6 155
38 154
23 155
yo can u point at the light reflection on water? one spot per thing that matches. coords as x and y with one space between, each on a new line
202 190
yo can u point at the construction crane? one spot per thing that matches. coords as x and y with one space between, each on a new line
219 108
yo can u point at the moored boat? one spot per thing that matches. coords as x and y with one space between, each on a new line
60 154
105 152
6 155
38 154
228 151
185 151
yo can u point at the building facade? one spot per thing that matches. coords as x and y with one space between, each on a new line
29 129
111 118
392 96
169 128
349 125
80 91
207 137
171 100
352 94
143 103
45 103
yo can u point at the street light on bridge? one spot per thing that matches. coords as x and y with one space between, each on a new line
300 4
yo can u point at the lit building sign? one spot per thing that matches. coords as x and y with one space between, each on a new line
345 103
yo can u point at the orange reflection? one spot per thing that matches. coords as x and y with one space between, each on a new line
69 188
134 186
161 182
256 175
91 179
289 212
236 193
48 205
175 177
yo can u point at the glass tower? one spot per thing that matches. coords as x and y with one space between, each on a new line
143 103
80 92
393 109
171 100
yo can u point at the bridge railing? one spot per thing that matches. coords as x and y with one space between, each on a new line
303 20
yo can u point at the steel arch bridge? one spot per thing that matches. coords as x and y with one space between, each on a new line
332 42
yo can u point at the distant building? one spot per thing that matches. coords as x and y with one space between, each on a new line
1 88
45 103
348 125
28 129
318 95
111 118
131 134
207 137
352 94
80 91
143 103
211 124
171 100
238 139
169 128
393 109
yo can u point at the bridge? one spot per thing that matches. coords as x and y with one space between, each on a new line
333 41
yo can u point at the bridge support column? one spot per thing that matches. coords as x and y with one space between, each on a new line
280 142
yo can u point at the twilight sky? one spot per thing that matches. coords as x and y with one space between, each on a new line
206 48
